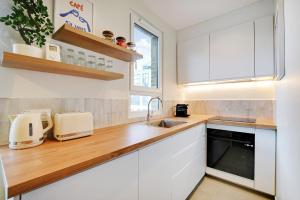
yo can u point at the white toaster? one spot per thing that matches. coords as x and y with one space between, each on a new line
73 125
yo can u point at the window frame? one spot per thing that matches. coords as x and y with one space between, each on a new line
139 90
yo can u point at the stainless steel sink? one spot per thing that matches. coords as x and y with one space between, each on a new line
166 123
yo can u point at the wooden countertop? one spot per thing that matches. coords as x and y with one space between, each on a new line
28 169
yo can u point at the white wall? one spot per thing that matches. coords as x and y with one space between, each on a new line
253 90
108 14
288 109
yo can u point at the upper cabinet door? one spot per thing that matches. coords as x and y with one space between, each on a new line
193 60
264 47
232 53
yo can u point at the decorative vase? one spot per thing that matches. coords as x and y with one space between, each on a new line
28 50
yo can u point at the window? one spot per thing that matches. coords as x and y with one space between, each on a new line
146 69
146 73
139 103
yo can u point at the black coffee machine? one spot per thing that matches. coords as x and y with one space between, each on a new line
182 110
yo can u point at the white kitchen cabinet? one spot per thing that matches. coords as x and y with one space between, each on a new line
232 53
154 171
265 153
264 47
188 161
244 51
171 169
193 60
114 180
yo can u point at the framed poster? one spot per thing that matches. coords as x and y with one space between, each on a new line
77 13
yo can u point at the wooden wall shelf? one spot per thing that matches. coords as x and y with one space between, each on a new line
76 37
11 60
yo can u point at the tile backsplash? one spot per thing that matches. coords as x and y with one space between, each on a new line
109 112
244 108
106 112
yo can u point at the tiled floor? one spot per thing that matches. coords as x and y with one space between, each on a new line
214 189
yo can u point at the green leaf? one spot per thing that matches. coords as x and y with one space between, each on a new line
31 19
8 23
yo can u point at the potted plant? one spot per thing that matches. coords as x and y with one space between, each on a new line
31 19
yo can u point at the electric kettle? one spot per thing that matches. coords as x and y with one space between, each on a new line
27 129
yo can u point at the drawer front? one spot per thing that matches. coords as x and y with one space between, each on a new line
186 179
187 137
186 155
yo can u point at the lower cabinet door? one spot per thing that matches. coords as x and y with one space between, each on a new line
265 161
154 171
114 180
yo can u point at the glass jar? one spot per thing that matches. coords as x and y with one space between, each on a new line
131 46
109 65
69 58
100 63
91 61
81 60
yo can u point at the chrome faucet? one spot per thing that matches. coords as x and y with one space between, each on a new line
158 98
